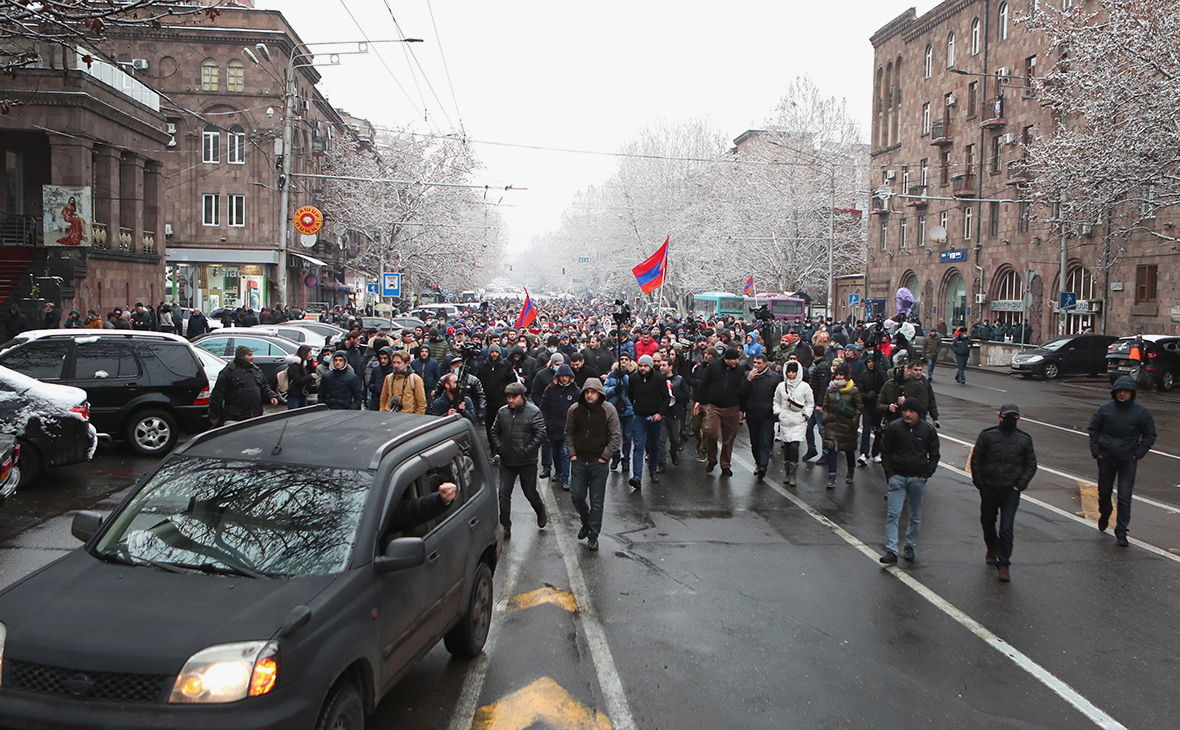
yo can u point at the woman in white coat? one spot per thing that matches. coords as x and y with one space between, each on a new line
793 404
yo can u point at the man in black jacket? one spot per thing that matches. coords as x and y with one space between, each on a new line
757 402
648 391
241 387
516 438
910 455
720 389
592 435
197 324
495 374
1002 464
340 388
1122 431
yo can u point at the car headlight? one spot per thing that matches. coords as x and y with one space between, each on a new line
1034 359
227 673
3 636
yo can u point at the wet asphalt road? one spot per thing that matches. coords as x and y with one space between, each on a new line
727 602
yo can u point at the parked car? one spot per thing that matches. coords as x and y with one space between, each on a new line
408 323
1064 355
51 424
381 324
211 364
144 388
436 311
300 335
330 332
254 579
1162 358
9 471
271 352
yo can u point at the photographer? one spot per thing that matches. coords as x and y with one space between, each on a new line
403 391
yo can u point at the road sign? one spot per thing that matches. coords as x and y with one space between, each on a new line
583 259
309 220
371 288
854 300
952 255
1069 301
391 285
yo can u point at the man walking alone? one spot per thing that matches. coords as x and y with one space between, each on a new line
592 435
910 456
518 435
1002 464
1122 431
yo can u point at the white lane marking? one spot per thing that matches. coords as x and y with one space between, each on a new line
1024 497
1019 658
1087 434
473 683
1041 467
617 707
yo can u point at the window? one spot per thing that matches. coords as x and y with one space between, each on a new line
105 359
209 71
884 235
1146 281
237 210
1147 206
994 220
972 99
967 224
235 76
1066 4
1022 221
926 119
929 61
905 180
260 347
215 346
950 51
235 143
970 161
41 360
997 155
975 37
902 242
925 180
942 220
211 145
1002 31
946 167
921 230
1030 70
211 210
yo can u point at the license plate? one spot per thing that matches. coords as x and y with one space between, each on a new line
1126 369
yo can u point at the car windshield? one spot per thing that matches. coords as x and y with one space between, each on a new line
242 516
1056 343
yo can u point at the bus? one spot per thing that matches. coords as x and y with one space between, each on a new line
782 306
717 304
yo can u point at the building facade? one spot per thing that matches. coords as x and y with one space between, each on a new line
952 113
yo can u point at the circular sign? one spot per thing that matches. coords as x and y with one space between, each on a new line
310 281
308 241
309 220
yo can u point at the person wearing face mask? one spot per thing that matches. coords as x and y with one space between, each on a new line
1002 464
1122 431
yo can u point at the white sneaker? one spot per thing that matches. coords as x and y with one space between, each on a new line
877 459
862 460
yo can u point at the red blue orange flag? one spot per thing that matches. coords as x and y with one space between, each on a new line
650 274
528 312
748 289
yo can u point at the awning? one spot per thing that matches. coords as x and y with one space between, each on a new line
309 259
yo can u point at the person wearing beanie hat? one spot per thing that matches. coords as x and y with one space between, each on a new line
240 390
437 344
495 373
517 435
559 396
1003 463
909 454
842 409
719 391
541 381
648 391
592 435
647 360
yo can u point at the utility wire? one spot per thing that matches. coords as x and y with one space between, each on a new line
446 68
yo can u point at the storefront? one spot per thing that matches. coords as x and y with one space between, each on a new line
212 278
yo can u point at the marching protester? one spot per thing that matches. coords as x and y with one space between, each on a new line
842 408
540 382
678 395
909 454
616 387
1122 431
516 438
870 383
648 392
340 389
449 401
757 403
559 396
592 435
961 346
719 387
403 390
1002 464
793 404
300 378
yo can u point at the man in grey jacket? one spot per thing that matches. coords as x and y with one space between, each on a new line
1122 431
516 438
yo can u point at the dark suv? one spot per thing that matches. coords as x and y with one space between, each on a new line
1161 355
280 573
143 387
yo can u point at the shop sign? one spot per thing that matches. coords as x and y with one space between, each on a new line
308 220
953 255
1007 305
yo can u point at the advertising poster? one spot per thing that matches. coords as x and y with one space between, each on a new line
69 211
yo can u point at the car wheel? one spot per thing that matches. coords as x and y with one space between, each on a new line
1167 381
151 432
467 638
1051 372
31 464
343 709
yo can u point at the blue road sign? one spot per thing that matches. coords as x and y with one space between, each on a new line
371 287
391 285
854 300
954 254
1069 301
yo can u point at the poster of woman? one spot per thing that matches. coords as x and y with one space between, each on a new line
68 212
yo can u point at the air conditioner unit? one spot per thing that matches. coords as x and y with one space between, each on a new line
1009 138
170 128
951 100
1003 72
139 64
980 298
890 174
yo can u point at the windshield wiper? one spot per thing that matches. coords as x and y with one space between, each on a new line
162 565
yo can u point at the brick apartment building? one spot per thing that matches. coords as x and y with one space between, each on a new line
951 113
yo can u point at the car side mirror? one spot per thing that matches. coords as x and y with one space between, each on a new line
85 525
402 553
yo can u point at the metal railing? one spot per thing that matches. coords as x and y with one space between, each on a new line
19 230
940 131
992 112
963 185
918 195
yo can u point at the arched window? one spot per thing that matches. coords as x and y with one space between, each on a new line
888 104
1007 303
236 145
955 301
897 100
929 61
235 76
209 73
211 144
879 99
1081 282
1002 32
950 51
975 37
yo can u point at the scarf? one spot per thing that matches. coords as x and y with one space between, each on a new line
847 386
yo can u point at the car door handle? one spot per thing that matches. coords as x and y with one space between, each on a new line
433 557
473 523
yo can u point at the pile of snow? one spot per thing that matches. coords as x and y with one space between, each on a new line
56 400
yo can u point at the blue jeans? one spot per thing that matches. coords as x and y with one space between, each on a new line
961 361
816 419
900 489
561 461
761 439
546 457
624 451
296 401
588 479
930 368
645 435
1005 504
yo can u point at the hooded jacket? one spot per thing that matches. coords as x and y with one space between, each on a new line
341 390
556 401
426 367
592 430
376 376
495 374
239 393
523 366
793 404
616 386
1121 431
839 430
1003 459
910 388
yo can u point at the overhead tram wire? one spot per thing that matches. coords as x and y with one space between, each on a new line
410 56
446 68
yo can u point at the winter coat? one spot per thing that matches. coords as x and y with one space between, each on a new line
592 432
757 395
616 386
239 393
495 376
839 430
961 347
248 319
142 321
407 386
555 404
53 318
1002 460
341 390
648 393
721 385
541 381
375 376
650 348
598 360
518 433
821 375
910 388
931 345
299 378
356 360
870 383
681 395
442 404
471 387
1121 431
793 404
197 325
523 367
430 371
909 451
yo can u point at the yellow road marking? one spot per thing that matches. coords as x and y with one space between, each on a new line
545 703
548 594
1089 495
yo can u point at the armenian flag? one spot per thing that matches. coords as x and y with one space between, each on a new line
650 274
528 312
748 289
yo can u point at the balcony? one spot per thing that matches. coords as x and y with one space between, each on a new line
100 235
19 230
126 239
149 242
940 133
1020 172
993 114
963 186
918 196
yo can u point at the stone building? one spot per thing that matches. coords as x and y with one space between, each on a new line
951 113
79 129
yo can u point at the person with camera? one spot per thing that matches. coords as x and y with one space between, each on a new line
468 383
403 390
450 401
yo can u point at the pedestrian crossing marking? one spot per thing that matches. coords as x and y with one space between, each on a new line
542 703
548 594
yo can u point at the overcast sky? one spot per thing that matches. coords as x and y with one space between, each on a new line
585 76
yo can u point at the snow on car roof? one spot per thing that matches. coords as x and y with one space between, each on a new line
63 397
